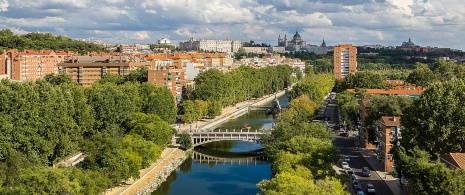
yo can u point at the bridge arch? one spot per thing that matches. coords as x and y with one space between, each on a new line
199 138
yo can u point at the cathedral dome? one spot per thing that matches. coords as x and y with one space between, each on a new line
297 36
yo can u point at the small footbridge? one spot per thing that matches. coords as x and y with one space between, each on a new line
203 137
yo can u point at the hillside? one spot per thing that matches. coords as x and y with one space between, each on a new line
38 41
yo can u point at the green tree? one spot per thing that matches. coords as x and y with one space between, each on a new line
435 122
151 128
159 101
213 109
185 141
111 78
422 173
421 76
188 111
58 79
139 75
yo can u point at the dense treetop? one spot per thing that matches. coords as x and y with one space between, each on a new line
121 127
38 41
302 152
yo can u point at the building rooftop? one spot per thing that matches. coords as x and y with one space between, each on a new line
455 159
390 120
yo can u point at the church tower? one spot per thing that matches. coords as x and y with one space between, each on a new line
323 44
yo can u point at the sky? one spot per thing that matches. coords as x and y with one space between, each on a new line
439 23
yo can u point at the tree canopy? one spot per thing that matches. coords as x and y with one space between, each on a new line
39 41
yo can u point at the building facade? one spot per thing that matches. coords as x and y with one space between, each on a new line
211 45
85 70
388 134
345 60
173 79
29 64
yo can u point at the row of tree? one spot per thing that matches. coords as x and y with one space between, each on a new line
121 128
302 152
39 41
433 126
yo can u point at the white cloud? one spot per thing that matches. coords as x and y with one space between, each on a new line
389 22
4 5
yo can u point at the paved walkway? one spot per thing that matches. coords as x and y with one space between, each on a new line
146 174
225 112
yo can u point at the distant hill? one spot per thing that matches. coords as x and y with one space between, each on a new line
39 41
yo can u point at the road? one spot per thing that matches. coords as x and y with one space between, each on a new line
357 161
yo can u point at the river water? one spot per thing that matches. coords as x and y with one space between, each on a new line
225 167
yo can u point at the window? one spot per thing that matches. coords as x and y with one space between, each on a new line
393 131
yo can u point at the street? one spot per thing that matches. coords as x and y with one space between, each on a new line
347 146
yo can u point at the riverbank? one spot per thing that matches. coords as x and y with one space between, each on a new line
171 158
231 111
152 176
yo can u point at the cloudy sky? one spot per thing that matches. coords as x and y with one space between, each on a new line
388 22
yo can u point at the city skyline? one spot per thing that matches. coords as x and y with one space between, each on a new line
385 22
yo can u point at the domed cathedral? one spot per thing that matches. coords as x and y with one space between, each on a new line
293 45
408 44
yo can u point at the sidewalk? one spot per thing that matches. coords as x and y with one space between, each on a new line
146 174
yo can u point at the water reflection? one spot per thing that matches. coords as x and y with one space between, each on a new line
214 169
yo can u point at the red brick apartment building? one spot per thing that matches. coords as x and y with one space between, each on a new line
388 134
85 70
29 64
169 77
410 91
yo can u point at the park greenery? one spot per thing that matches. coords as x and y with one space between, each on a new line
302 152
215 89
120 126
43 41
348 108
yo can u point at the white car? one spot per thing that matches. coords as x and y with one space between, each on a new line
346 159
344 165
371 189
348 170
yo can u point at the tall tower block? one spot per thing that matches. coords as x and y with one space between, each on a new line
345 60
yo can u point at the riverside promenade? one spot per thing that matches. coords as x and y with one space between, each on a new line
172 154
241 108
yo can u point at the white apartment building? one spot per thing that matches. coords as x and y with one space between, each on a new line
223 46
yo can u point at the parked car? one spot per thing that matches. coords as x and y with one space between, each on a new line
346 159
356 183
366 172
344 164
353 177
360 192
348 170
371 188
358 187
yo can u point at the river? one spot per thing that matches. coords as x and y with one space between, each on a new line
225 167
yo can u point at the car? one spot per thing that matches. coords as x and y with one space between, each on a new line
371 188
366 172
346 159
353 177
344 164
360 192
358 187
348 170
356 183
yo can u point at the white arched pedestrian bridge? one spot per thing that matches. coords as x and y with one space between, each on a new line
199 138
